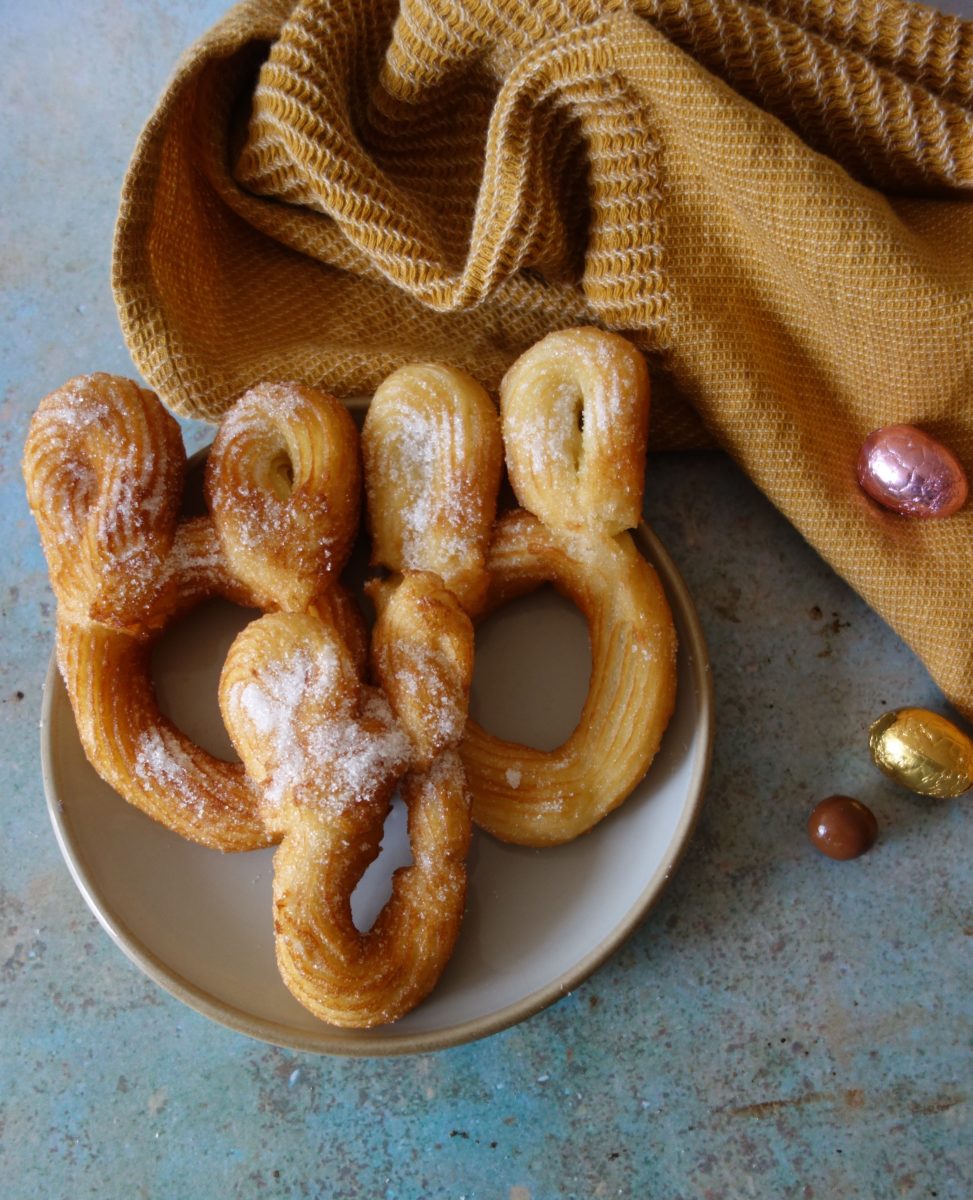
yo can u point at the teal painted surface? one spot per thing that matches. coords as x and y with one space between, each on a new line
781 1026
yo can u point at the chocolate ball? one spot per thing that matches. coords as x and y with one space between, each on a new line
842 827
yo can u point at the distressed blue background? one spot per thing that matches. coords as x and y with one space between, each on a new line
781 1026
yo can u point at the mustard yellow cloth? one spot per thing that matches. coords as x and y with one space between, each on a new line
771 198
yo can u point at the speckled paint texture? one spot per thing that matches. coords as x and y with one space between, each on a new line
781 1026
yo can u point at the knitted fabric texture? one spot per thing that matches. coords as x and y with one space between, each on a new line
772 199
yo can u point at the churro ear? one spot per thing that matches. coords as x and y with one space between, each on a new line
433 456
104 465
283 482
575 410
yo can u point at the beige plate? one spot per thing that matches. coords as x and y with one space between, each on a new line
537 922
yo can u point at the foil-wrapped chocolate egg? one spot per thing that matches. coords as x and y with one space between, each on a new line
909 471
923 751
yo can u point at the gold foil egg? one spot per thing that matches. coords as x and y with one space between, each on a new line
922 751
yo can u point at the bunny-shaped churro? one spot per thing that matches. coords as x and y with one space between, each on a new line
575 417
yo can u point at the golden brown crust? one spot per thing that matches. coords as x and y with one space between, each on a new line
323 751
359 979
283 483
538 798
140 753
575 416
433 457
422 655
575 411
327 752
104 467
338 607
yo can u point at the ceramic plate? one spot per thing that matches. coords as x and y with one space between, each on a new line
537 921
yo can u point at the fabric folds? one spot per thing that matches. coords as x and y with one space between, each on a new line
773 200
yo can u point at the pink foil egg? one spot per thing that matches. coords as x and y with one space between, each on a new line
911 473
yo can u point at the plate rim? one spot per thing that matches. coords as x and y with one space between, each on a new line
348 1043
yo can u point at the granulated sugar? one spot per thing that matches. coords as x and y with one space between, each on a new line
321 748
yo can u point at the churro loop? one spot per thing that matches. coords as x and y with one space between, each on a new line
283 482
104 466
575 411
539 798
328 752
575 416
433 457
